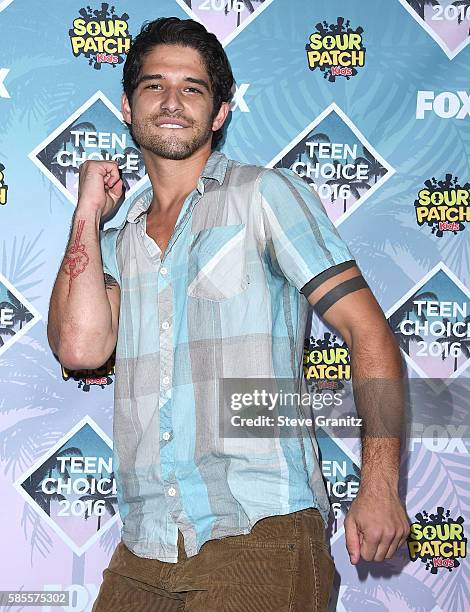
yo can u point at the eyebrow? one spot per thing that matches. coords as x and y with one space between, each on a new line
155 77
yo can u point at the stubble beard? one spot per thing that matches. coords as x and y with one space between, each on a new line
145 133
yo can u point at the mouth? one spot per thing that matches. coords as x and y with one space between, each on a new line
171 126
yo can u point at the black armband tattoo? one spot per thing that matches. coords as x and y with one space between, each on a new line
317 280
109 281
335 294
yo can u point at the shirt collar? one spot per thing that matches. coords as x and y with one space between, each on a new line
215 169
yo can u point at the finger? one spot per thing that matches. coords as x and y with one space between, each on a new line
116 190
405 534
370 544
114 180
114 172
395 544
108 169
385 544
353 544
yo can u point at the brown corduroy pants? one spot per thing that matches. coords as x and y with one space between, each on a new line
282 565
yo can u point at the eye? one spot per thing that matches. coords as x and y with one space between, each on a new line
193 89
153 86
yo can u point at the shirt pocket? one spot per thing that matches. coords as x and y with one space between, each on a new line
217 263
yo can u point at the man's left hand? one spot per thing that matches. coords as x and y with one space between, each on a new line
375 525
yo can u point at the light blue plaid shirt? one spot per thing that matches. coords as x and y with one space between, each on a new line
225 302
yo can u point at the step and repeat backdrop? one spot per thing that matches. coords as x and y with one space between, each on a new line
369 102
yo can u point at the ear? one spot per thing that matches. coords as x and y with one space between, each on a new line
126 109
221 116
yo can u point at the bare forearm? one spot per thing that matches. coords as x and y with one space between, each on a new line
79 314
379 397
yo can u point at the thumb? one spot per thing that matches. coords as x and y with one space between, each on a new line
116 190
353 544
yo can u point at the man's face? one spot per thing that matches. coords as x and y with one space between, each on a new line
172 105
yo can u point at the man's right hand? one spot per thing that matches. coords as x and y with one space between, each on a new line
100 186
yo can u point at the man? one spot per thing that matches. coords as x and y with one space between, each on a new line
207 279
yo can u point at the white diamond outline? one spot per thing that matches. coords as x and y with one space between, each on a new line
78 550
98 95
27 326
228 39
450 54
333 107
4 4
354 458
439 266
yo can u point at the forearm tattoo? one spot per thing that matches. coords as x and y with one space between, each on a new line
76 258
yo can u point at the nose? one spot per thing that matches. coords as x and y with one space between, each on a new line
171 101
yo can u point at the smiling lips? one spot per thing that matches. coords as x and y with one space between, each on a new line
171 124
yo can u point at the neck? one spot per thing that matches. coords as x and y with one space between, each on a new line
173 179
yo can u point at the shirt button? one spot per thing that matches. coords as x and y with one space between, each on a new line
172 491
163 271
166 435
165 380
165 325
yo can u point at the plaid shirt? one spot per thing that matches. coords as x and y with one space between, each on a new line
225 302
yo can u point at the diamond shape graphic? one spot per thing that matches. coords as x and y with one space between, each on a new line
336 160
4 4
342 472
446 26
94 131
225 18
432 325
17 314
72 487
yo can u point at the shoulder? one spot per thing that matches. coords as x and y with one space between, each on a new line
278 177
283 184
269 181
264 176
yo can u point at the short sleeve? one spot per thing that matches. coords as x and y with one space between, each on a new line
108 239
298 232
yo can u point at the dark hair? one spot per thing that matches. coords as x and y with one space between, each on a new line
187 33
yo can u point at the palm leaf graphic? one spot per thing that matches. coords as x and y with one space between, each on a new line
419 5
21 260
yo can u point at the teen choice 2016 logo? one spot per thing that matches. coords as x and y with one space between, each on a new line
443 205
336 49
438 540
101 36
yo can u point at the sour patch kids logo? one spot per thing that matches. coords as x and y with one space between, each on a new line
443 205
101 36
438 540
336 49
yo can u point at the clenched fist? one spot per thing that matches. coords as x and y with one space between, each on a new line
100 187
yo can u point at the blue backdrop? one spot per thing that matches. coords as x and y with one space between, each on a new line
368 100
